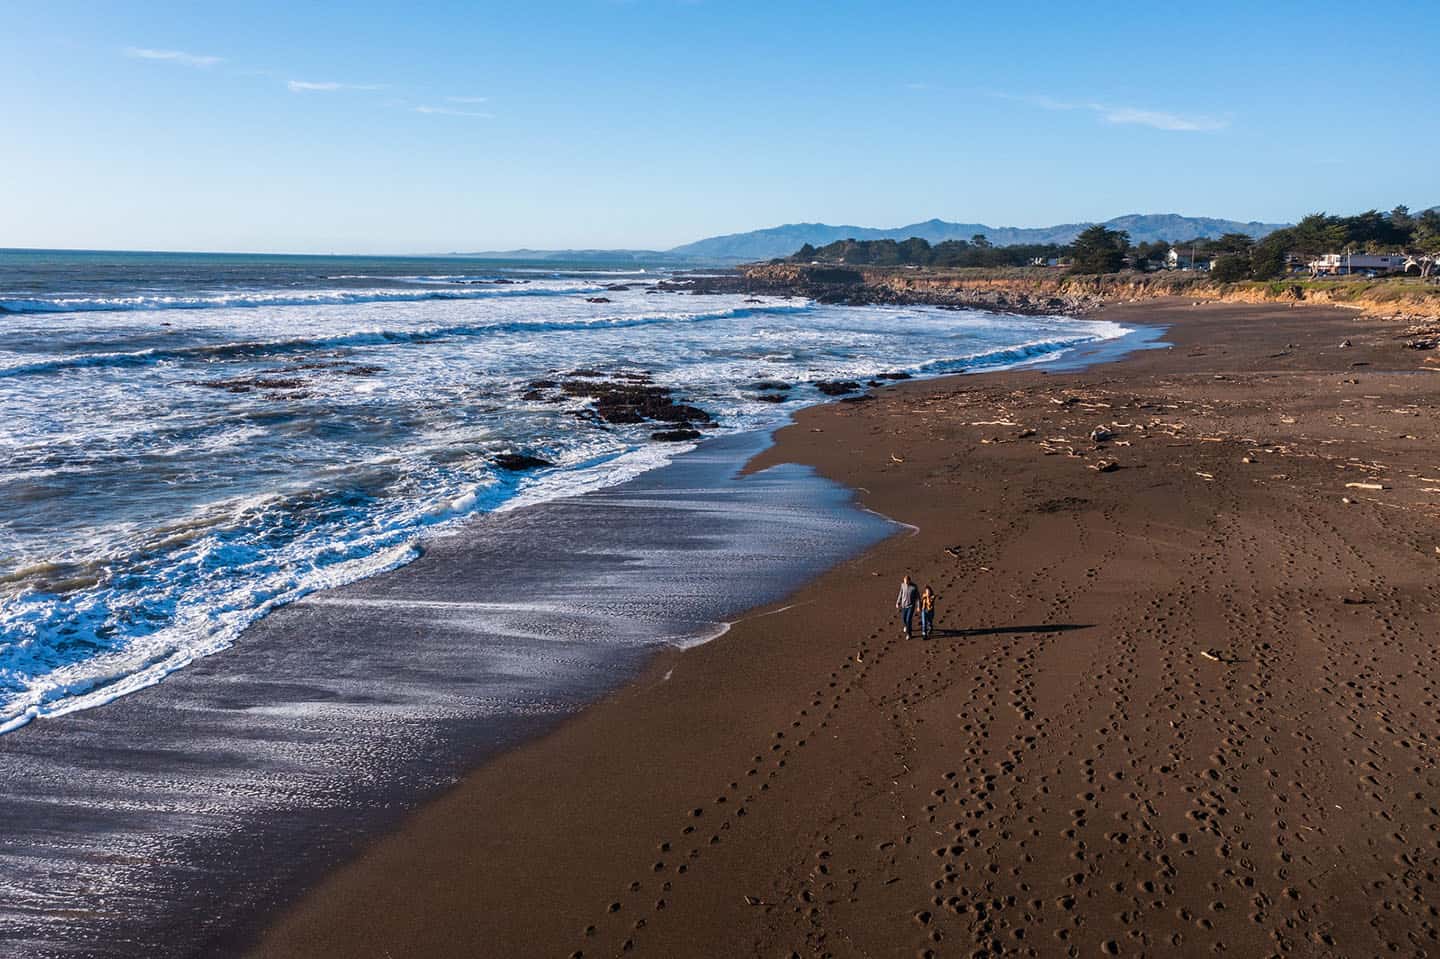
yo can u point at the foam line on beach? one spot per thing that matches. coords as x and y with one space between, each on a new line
371 697
149 660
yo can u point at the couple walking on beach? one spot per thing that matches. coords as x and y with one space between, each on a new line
912 596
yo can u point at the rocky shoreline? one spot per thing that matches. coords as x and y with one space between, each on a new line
1042 291
873 287
631 397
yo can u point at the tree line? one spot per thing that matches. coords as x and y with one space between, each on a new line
1233 256
977 251
1236 256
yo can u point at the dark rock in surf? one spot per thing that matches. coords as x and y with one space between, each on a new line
252 383
837 387
635 400
518 462
675 436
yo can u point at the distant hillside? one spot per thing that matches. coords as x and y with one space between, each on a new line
784 240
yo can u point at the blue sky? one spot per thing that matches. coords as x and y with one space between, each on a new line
386 127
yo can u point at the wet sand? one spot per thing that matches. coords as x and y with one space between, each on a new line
1185 706
169 822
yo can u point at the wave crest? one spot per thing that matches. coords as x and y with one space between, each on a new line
258 349
95 304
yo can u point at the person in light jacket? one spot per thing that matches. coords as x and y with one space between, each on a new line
927 612
909 593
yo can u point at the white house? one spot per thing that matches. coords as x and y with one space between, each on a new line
1175 260
1344 264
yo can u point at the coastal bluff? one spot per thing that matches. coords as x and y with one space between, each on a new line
1046 290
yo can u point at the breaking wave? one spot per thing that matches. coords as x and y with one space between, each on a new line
243 300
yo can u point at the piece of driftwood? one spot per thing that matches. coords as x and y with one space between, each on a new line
1216 656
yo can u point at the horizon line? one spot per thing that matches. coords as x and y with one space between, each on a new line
432 255
593 249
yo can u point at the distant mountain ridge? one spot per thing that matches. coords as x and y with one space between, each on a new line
786 239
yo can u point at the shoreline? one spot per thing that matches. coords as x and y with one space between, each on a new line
525 853
259 747
1041 290
192 809
355 546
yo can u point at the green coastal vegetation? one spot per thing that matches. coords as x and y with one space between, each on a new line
916 251
1229 258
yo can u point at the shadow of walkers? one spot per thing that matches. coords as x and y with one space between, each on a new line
1009 630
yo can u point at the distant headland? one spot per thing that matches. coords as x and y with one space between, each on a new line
786 239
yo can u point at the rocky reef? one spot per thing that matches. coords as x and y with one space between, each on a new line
623 398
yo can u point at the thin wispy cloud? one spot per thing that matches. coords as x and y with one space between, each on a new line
173 56
1126 116
460 107
329 86
453 112
1157 119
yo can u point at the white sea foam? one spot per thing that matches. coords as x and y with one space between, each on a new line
369 336
189 472
274 298
146 661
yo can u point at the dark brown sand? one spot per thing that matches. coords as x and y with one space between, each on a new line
1184 707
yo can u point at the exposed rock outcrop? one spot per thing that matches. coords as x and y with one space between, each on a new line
620 398
518 462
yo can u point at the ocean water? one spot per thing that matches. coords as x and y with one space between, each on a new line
190 441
